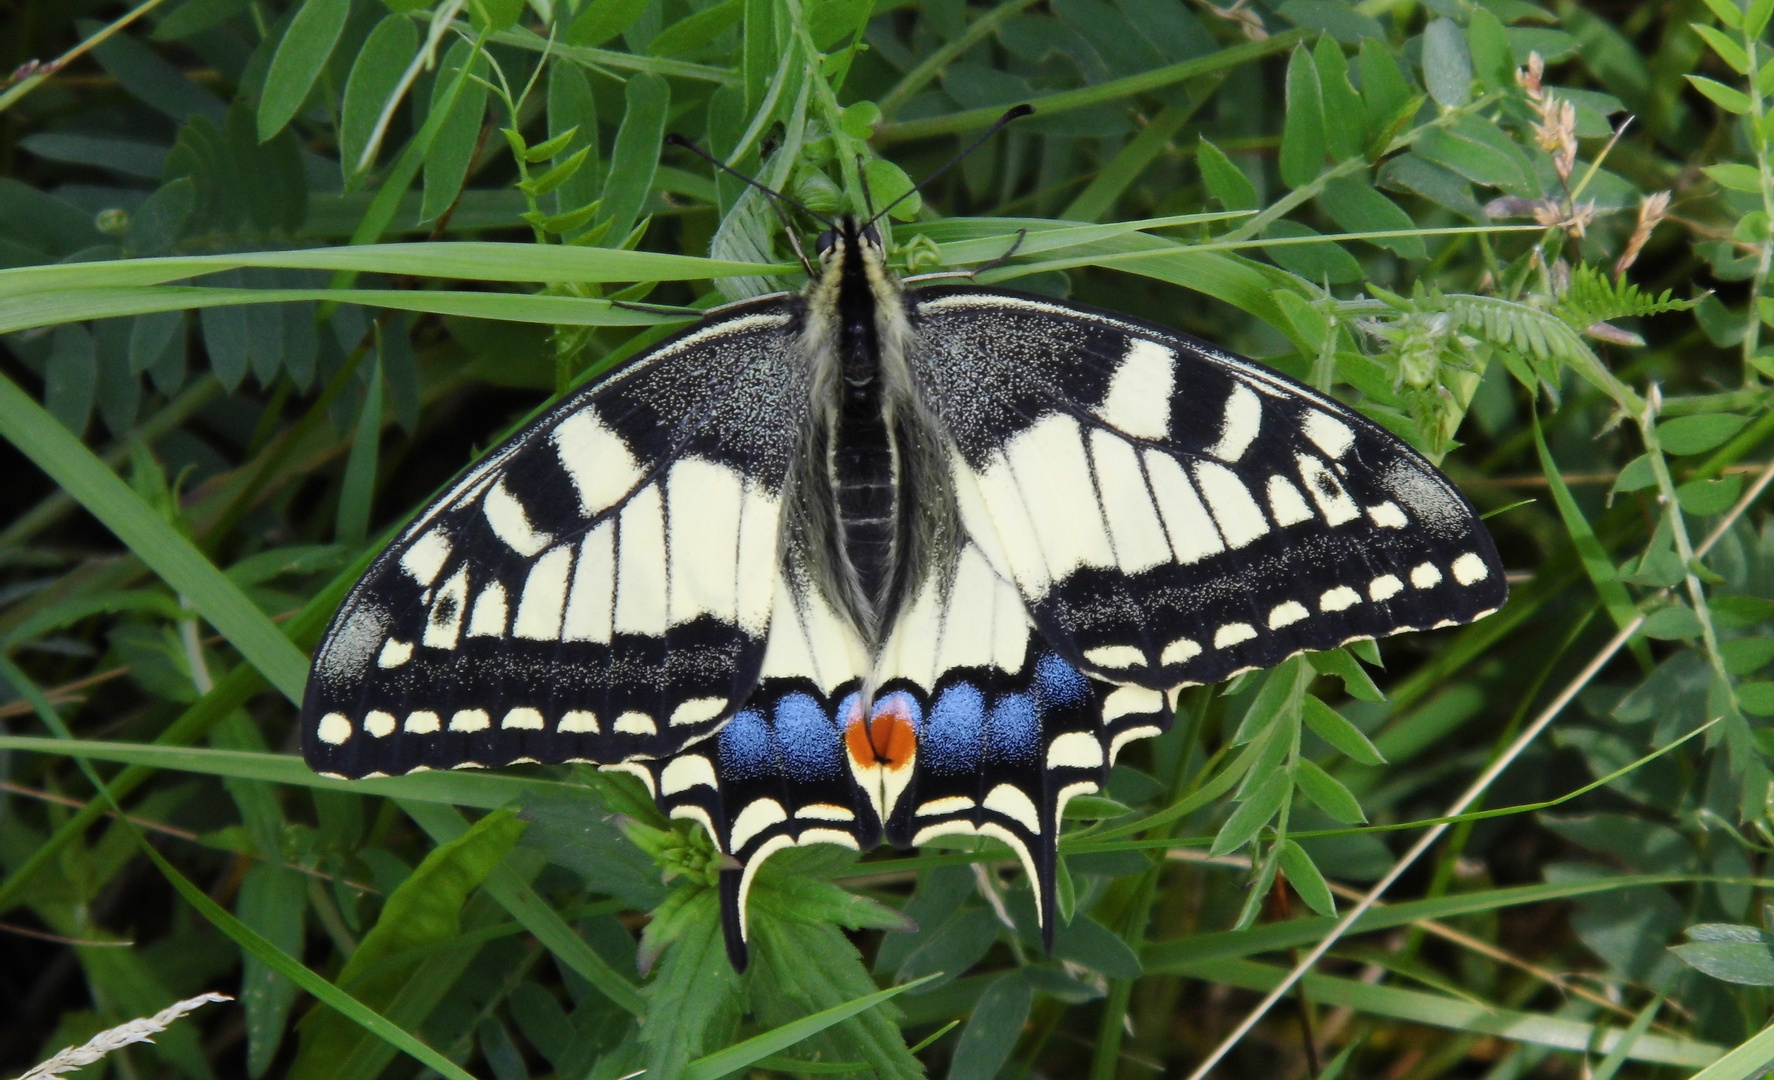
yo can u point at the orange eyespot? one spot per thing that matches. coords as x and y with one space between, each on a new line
889 738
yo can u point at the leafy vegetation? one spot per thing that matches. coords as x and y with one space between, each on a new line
272 272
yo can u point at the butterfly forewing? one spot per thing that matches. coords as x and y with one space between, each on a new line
1173 514
598 588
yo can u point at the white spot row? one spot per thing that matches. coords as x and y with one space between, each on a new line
335 728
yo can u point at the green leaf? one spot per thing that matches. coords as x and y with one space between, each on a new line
1383 89
1744 655
1303 874
1732 953
1698 434
1492 59
831 21
1727 12
556 176
1356 680
1638 475
888 182
1225 181
803 968
1735 177
1357 207
1317 262
307 43
1302 134
1344 129
273 901
452 149
1596 561
993 1030
573 107
1757 698
1705 497
693 1000
1674 623
602 20
375 75
1328 792
1089 943
1341 21
698 29
166 551
635 156
70 377
542 151
859 120
1253 813
1755 20
1727 98
1447 65
1271 701
424 910
1729 51
1739 612
358 488
1478 151
492 16
1333 728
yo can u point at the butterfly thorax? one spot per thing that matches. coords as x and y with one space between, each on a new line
869 499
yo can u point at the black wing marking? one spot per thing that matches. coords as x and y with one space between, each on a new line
977 728
1173 514
598 588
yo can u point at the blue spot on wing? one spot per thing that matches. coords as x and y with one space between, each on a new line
951 740
808 741
1059 684
745 746
1013 730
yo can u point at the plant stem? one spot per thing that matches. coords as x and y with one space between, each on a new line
1112 90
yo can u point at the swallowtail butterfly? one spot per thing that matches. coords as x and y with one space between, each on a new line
874 562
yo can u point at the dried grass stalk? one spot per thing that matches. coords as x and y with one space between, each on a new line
136 1031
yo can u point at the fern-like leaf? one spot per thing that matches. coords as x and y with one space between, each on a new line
1593 297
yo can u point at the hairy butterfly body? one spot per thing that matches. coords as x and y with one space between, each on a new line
870 563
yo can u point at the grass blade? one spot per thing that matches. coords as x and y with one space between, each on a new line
81 474
485 790
48 309
1110 90
464 261
1437 1010
741 1054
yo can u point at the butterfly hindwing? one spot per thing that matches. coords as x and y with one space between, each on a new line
976 728
1172 514
597 588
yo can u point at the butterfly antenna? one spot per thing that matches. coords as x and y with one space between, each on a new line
868 197
1014 114
678 140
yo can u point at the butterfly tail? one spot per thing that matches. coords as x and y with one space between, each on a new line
733 920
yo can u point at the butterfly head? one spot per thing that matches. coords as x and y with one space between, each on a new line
847 235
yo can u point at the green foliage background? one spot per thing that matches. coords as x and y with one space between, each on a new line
272 272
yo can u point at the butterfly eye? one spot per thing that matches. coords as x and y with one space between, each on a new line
872 235
825 241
